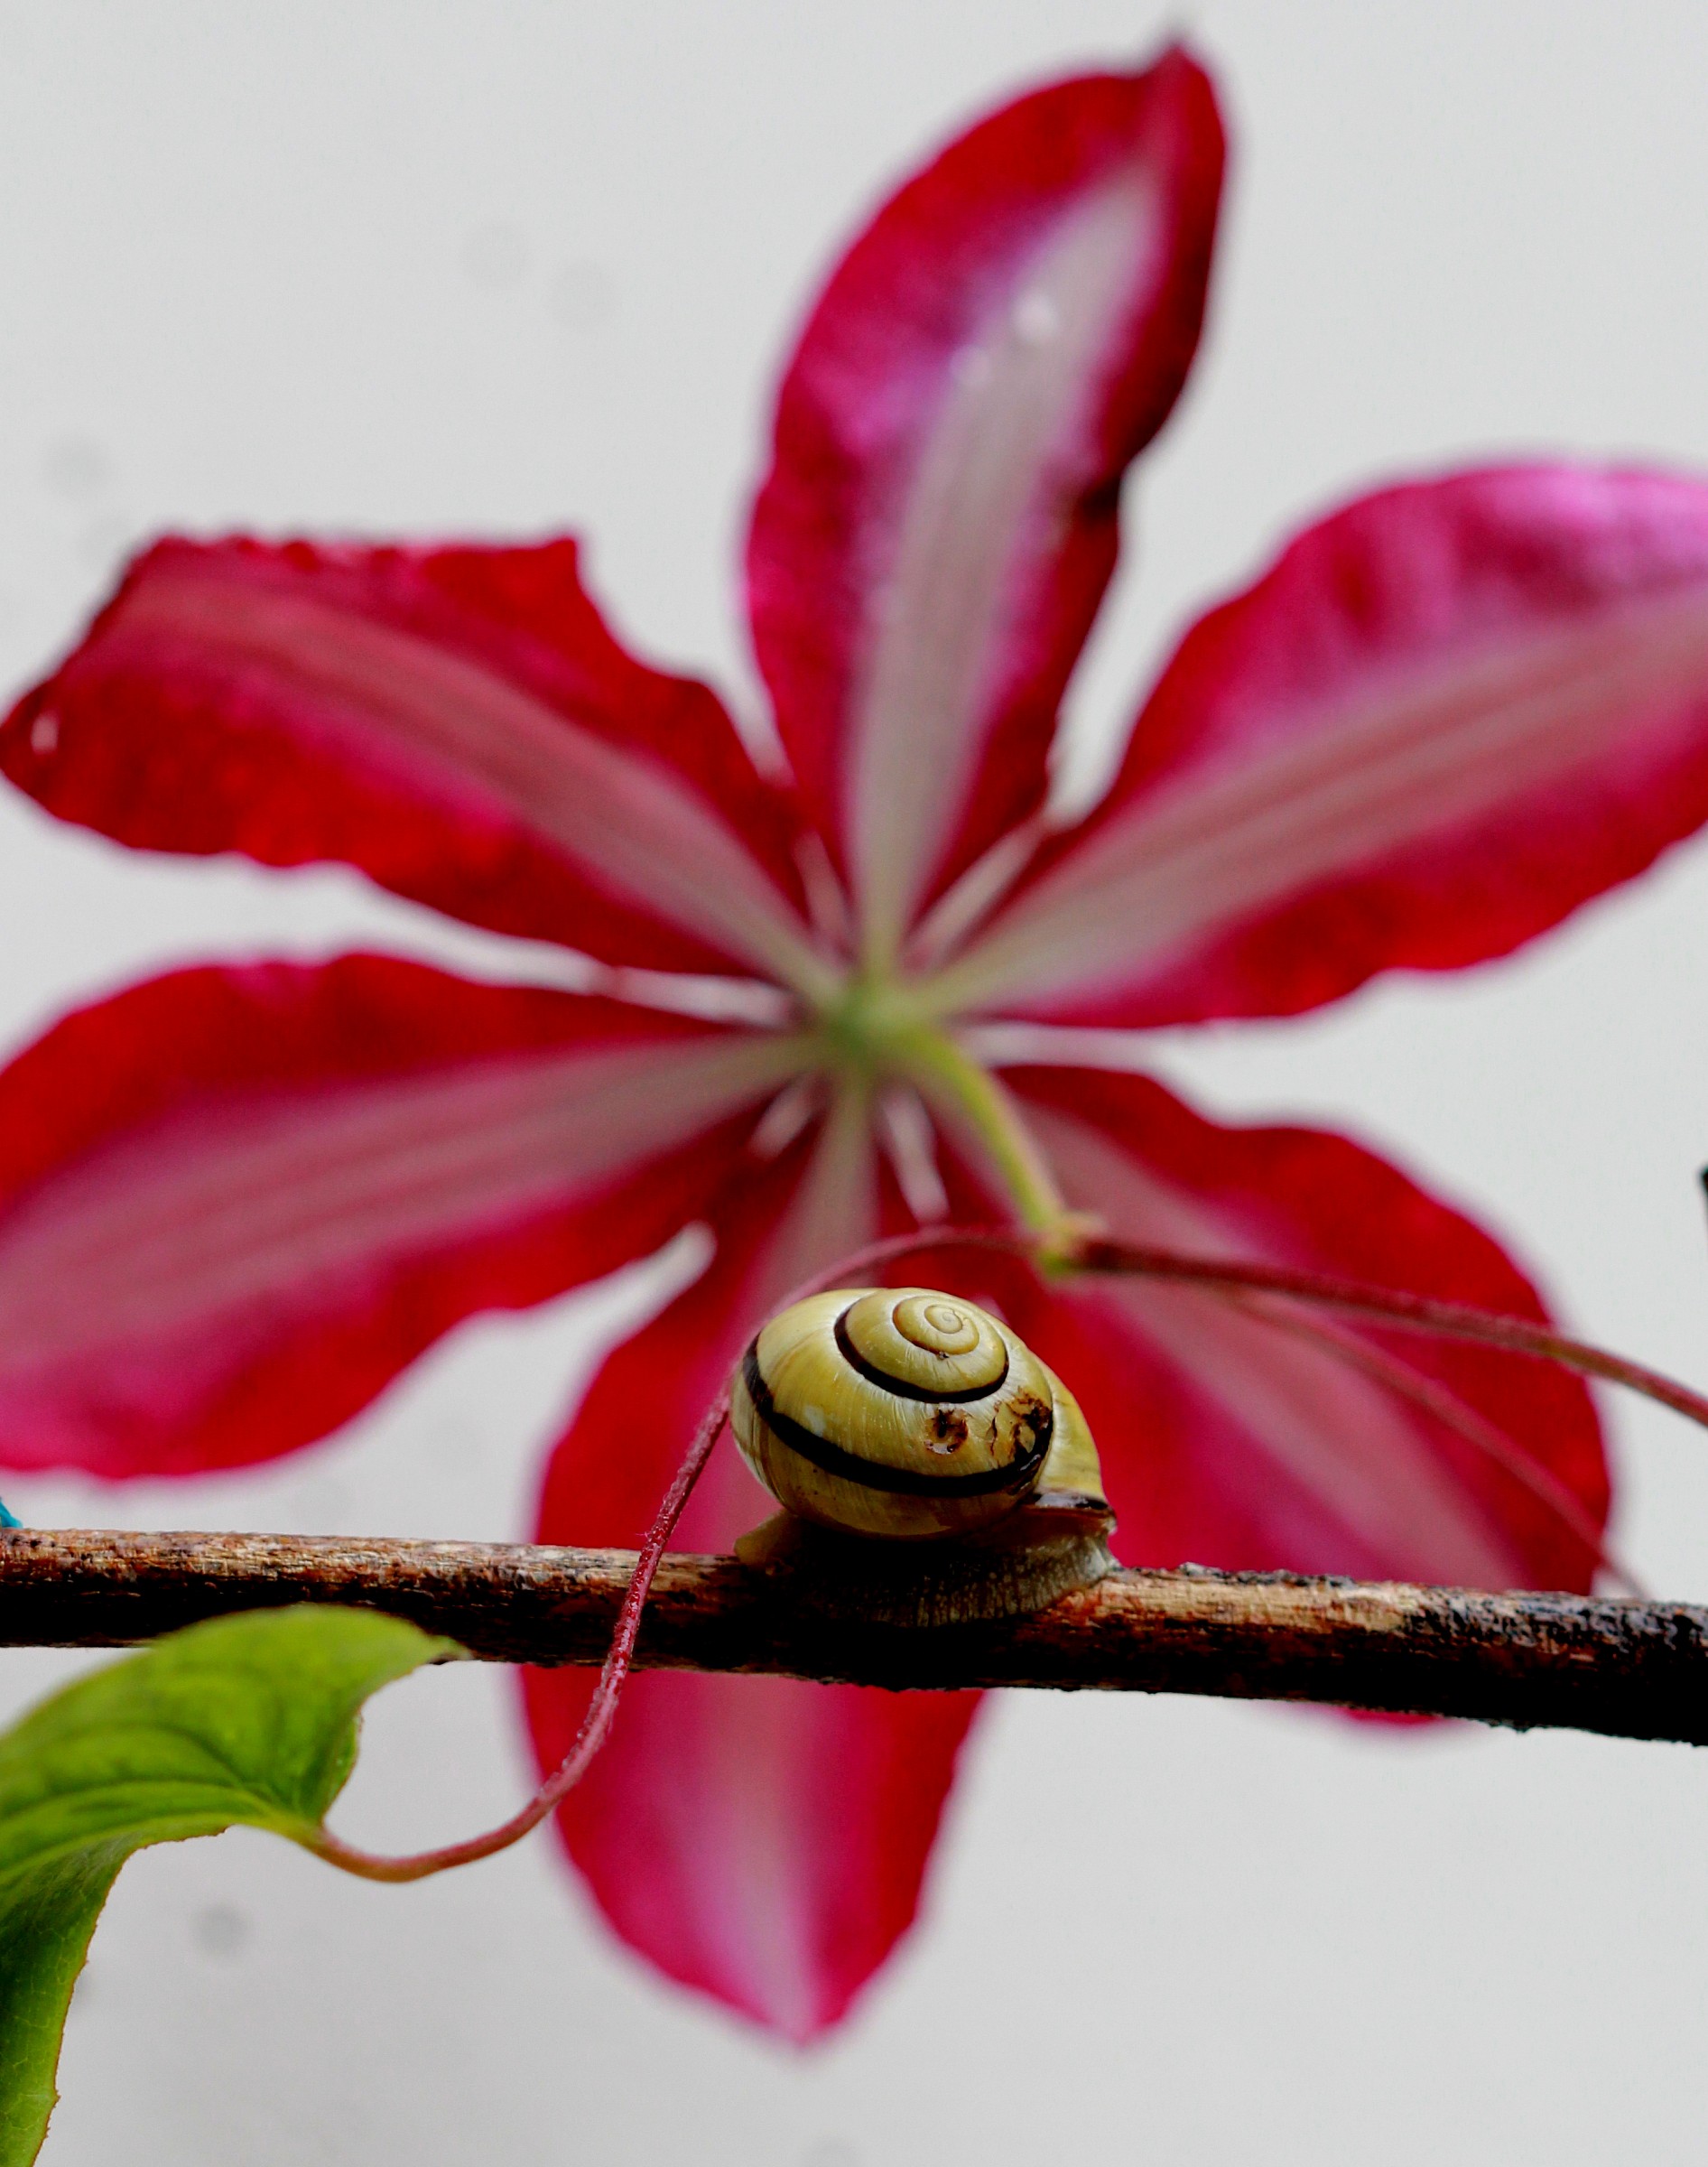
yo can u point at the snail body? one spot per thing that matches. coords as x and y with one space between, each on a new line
910 1415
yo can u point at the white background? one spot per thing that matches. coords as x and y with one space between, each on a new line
487 266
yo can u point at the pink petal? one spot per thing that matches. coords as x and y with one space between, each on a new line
1445 717
234 1204
457 722
939 524
1230 1442
759 1839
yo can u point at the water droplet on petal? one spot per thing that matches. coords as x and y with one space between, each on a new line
44 735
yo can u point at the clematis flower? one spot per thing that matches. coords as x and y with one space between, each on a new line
236 1201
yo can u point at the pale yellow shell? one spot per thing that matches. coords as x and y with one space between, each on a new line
906 1413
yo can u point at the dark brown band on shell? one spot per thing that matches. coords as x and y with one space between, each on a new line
906 1481
902 1388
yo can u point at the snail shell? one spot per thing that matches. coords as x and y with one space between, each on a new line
904 1413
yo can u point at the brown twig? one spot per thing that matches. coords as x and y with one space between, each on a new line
1627 1668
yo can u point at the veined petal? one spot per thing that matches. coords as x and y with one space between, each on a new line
1444 718
458 723
1232 1441
235 1203
940 522
759 1839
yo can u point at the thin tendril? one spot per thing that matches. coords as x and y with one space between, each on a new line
1452 1412
601 1710
1407 1312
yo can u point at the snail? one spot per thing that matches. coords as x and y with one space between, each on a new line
919 1419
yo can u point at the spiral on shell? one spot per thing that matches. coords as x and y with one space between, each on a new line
906 1413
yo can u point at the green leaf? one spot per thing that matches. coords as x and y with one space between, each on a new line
251 1718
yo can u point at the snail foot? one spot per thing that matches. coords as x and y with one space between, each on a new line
1054 1544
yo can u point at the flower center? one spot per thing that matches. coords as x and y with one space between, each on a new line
873 1031
866 1027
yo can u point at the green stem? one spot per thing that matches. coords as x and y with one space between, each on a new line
967 1093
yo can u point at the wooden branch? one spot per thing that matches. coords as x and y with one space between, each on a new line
1627 1668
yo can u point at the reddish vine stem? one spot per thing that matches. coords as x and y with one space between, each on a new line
1407 1312
1452 1412
1392 1305
601 1710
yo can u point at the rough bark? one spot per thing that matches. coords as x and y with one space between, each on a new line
1627 1668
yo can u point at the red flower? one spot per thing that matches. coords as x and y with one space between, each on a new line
236 1201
